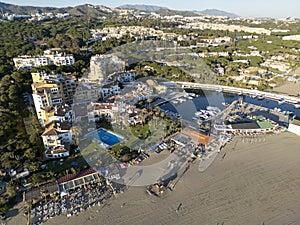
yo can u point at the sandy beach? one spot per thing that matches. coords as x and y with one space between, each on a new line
254 183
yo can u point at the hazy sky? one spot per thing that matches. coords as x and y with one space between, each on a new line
251 8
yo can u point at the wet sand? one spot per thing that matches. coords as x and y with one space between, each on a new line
254 183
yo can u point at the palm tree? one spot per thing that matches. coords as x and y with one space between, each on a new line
200 122
140 103
144 110
149 100
156 110
207 126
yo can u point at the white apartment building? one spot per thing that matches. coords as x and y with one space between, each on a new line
49 58
28 62
127 76
95 110
59 59
108 91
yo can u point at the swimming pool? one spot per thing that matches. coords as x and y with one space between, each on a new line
105 136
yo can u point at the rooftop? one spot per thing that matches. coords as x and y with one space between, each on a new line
70 177
196 136
245 125
50 132
265 124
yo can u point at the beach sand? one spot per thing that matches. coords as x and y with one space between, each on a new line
254 183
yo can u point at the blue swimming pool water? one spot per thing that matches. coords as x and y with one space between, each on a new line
105 136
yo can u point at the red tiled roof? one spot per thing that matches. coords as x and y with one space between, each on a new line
50 132
69 177
196 135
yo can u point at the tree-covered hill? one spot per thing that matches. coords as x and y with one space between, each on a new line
81 10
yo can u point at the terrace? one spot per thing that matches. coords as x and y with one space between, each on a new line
86 195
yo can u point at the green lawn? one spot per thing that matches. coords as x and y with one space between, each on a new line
133 136
59 167
264 124
140 131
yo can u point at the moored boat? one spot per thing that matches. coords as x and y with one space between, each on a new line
260 97
225 104
297 105
281 101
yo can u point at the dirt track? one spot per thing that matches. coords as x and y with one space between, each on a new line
255 183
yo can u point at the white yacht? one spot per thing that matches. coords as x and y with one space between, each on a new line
297 105
260 97
281 101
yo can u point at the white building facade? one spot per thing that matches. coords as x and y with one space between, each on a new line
294 127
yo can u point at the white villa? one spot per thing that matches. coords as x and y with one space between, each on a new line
57 141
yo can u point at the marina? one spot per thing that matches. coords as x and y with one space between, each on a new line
286 105
297 105
206 114
239 91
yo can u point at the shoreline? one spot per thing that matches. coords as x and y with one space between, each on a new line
251 185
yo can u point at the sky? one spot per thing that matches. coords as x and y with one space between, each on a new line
247 8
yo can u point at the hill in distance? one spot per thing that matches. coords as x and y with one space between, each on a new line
150 8
16 9
164 11
80 10
96 11
216 12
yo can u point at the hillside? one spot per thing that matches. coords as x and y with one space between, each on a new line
92 11
165 11
158 9
216 12
169 12
16 9
97 11
88 10
150 8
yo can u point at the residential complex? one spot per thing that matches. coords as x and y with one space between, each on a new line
49 57
57 139
52 95
51 91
